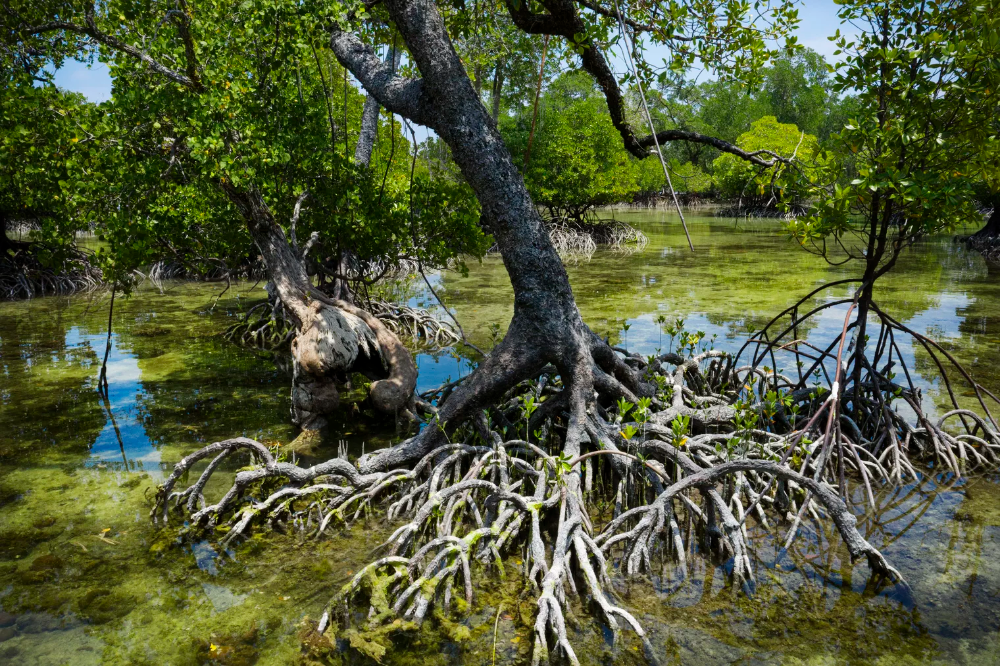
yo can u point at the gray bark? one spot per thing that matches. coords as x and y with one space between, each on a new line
547 325
369 116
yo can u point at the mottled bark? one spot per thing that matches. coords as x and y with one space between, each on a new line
546 327
369 117
333 337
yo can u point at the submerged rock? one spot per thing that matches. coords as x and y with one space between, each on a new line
7 633
101 606
36 623
42 569
222 598
6 619
236 649
16 543
306 443
47 563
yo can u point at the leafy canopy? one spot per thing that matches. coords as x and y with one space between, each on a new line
737 178
577 160
925 76
253 102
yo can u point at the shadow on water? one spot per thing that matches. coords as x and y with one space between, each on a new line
85 578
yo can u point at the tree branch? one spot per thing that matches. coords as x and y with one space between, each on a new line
564 20
182 18
535 24
91 30
753 157
610 13
397 94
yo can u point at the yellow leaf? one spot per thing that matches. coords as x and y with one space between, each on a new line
213 647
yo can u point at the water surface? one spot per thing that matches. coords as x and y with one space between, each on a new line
85 577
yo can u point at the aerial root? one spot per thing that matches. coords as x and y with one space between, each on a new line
420 326
733 451
579 238
988 246
23 275
865 431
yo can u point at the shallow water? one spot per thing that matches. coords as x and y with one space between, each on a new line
85 578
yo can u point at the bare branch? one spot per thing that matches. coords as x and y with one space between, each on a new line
754 157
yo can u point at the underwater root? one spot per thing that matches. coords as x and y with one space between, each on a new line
24 275
699 441
266 327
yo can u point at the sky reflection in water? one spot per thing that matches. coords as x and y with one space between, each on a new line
175 386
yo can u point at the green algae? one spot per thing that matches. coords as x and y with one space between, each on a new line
93 581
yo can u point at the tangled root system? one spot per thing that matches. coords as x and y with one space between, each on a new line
700 448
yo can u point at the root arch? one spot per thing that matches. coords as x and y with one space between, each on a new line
489 478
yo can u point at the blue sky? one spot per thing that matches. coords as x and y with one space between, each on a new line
94 82
819 21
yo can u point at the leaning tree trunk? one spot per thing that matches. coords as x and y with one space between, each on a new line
333 337
547 326
991 230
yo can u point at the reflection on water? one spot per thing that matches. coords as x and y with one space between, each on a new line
123 424
736 281
85 578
